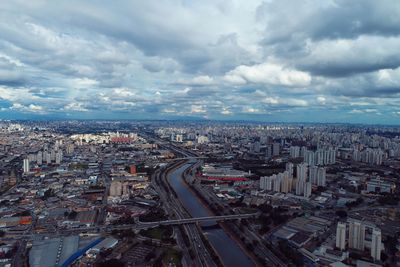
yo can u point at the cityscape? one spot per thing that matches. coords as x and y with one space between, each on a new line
162 193
213 133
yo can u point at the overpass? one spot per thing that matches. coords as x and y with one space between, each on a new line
137 226
176 159
198 219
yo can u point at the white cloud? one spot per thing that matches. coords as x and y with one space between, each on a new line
271 100
75 107
198 109
234 79
251 110
285 102
31 108
268 73
202 80
226 111
321 100
356 111
367 110
83 83
388 77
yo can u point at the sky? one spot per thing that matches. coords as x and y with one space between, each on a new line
289 61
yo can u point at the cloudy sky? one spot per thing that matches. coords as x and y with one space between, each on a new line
303 61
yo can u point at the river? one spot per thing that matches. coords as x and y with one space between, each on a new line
230 252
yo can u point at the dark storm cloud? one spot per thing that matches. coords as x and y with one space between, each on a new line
345 68
288 19
295 29
349 19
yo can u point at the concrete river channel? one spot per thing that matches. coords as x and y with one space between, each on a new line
228 249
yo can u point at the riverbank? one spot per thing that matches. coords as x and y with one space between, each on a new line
226 229
211 250
228 249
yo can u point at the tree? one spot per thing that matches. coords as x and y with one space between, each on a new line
341 213
321 188
291 253
384 256
355 256
150 256
264 229
48 193
112 263
72 215
265 208
388 199
391 244
129 233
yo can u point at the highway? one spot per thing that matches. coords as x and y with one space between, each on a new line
239 257
200 219
137 226
173 206
186 158
195 253
259 249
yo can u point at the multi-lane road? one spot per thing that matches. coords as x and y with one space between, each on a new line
178 215
174 207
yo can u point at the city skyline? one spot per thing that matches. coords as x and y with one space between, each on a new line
179 193
274 61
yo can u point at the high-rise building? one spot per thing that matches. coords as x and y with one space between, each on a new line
286 184
321 176
356 234
266 183
376 244
319 157
341 235
26 165
309 158
303 150
313 174
202 139
52 155
371 156
70 149
331 156
268 151
307 189
289 169
39 158
179 138
301 175
356 155
294 151
48 157
59 156
280 182
301 171
277 180
275 149
32 157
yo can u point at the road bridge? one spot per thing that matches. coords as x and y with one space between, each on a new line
198 219
176 159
